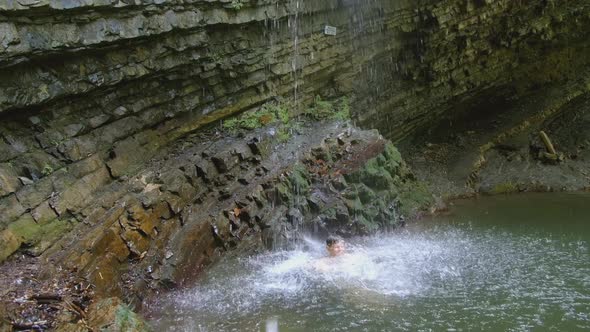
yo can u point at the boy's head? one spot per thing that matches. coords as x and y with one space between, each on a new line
335 246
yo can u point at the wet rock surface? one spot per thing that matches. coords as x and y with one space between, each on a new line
504 152
213 193
91 90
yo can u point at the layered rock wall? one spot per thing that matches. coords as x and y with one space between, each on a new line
455 56
91 90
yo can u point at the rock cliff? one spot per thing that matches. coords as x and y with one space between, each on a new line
90 90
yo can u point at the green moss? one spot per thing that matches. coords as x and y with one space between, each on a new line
299 179
26 229
127 320
354 206
39 236
323 109
365 225
350 193
365 193
283 135
284 194
236 4
231 124
269 113
505 188
50 233
330 213
47 169
370 212
282 112
343 111
415 196
376 176
393 154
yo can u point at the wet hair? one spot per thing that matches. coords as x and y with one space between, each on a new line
332 240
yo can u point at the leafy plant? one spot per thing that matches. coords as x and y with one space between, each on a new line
215 57
267 114
236 4
47 169
323 109
343 112
283 135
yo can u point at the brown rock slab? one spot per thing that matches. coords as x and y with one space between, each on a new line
9 182
9 243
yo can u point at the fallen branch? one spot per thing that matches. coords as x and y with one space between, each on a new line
75 309
547 142
30 326
46 298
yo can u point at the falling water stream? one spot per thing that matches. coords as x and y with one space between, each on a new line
515 263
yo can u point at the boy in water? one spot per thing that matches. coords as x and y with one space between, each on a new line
335 246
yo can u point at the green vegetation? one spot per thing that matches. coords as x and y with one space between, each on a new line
267 114
323 109
215 57
237 4
505 188
299 179
414 197
47 169
283 135
278 113
343 111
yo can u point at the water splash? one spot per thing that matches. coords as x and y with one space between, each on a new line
399 266
451 277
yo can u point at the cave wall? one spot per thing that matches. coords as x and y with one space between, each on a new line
90 90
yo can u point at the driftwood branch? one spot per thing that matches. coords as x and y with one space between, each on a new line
46 298
30 326
547 142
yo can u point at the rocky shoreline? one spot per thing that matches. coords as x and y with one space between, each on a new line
503 153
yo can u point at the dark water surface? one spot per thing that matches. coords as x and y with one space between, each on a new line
506 263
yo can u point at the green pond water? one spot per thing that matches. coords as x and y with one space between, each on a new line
506 263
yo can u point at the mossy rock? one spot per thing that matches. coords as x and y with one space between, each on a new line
113 315
365 193
9 243
376 177
355 206
50 233
39 236
414 197
299 179
371 212
394 160
373 175
280 194
26 229
504 188
392 154
365 225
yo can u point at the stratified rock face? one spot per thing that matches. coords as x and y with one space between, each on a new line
202 198
90 90
453 55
